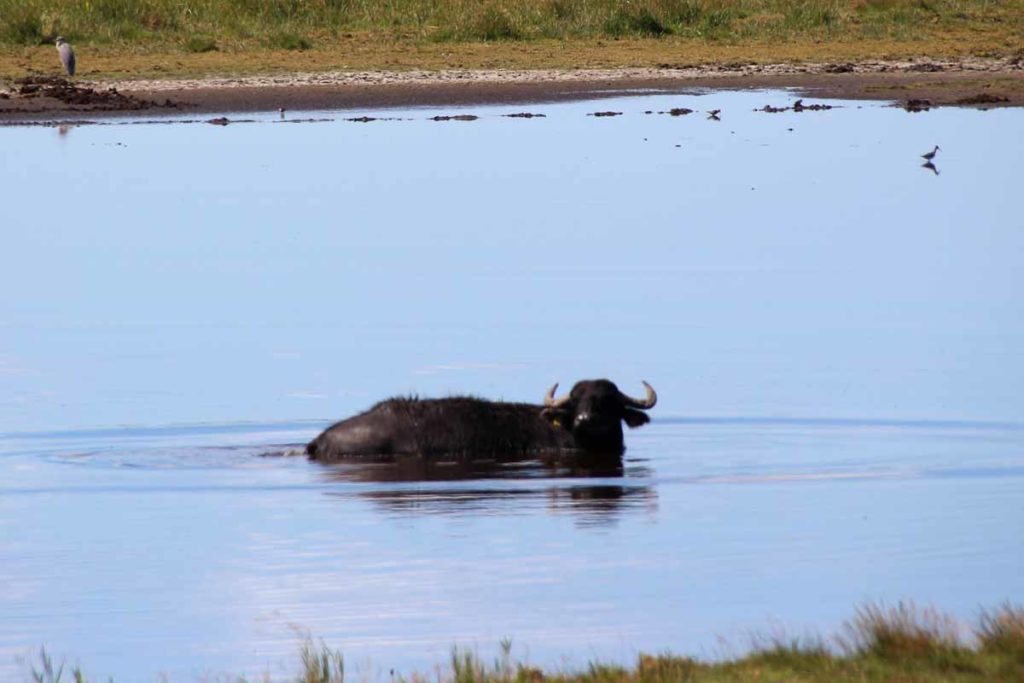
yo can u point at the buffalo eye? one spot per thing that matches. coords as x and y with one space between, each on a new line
559 417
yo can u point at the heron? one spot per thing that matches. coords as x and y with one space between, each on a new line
67 55
930 155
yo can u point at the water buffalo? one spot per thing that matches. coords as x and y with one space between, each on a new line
587 420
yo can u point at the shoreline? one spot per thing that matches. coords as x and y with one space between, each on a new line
879 643
971 82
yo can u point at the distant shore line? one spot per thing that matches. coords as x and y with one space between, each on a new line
927 83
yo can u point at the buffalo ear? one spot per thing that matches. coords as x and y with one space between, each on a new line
556 416
635 418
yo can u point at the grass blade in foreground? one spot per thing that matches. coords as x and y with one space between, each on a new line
881 643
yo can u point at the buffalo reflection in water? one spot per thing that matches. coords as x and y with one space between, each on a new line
419 487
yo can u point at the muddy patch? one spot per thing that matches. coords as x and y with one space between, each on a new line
982 98
48 90
917 105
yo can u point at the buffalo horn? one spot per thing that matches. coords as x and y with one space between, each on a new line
646 404
551 402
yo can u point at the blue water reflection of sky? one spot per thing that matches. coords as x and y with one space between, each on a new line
135 557
835 334
159 274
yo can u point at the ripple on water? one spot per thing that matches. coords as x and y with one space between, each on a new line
176 457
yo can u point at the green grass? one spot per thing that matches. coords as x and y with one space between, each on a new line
288 41
198 44
47 673
300 24
901 643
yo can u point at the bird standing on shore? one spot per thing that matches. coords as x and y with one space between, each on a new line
67 55
930 155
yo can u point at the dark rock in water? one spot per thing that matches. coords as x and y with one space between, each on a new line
525 115
219 121
769 109
362 119
679 111
606 113
914 106
799 106
458 117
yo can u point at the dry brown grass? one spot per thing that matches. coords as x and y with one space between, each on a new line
367 51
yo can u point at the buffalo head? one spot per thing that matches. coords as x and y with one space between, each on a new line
594 410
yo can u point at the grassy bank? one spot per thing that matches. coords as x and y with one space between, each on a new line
206 36
901 643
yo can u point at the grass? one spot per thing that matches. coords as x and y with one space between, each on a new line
200 44
321 664
46 673
901 643
159 22
514 33
1001 631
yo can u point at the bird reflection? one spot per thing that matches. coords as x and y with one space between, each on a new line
931 167
502 488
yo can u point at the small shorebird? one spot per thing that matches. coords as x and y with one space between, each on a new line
930 155
713 114
67 55
930 166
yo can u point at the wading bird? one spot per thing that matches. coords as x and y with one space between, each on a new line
930 155
67 55
713 114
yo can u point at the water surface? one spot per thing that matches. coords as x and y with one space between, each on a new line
835 334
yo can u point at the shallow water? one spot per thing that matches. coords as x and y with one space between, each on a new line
835 334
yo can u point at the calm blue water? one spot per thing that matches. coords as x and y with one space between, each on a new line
835 335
